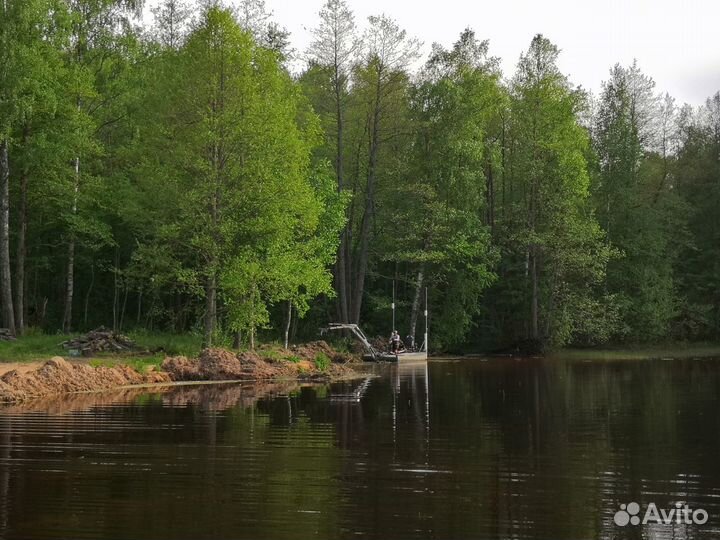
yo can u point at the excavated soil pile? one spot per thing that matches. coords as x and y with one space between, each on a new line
314 361
311 350
297 363
379 343
58 376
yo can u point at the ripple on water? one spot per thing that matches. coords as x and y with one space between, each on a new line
458 450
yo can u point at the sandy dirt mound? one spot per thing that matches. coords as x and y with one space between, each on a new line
296 363
311 350
379 343
58 376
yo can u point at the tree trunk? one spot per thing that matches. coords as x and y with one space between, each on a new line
340 281
116 289
534 280
210 308
211 284
287 324
369 209
294 327
21 246
237 340
362 260
42 312
252 318
139 307
350 263
416 303
5 276
70 283
340 268
490 194
88 293
122 311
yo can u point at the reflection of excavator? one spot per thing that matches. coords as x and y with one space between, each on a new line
372 354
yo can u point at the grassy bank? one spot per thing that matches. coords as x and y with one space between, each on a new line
38 347
674 350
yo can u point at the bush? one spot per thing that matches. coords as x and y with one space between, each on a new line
322 362
272 355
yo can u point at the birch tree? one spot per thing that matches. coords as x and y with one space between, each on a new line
31 34
96 28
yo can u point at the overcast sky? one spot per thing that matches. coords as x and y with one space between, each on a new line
677 42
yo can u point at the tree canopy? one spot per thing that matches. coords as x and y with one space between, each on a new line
197 174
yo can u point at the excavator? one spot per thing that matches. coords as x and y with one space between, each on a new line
371 353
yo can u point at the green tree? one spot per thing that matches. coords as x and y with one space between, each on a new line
438 211
553 247
381 82
697 179
333 50
31 34
237 161
641 215
101 34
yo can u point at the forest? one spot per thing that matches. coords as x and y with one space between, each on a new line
179 173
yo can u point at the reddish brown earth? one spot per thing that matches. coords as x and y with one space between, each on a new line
296 363
58 376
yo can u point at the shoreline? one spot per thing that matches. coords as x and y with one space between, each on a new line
675 352
209 395
312 362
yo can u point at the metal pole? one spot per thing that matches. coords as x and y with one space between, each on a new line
427 348
393 307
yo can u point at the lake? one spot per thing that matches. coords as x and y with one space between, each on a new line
455 448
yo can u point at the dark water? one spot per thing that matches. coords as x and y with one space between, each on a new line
457 449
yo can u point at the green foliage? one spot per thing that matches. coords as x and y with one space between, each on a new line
697 275
322 362
185 344
554 251
33 346
437 212
272 354
141 365
644 219
259 228
214 194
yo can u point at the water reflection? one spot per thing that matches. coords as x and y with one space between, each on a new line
449 449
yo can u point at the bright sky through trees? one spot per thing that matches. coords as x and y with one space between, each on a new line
677 41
